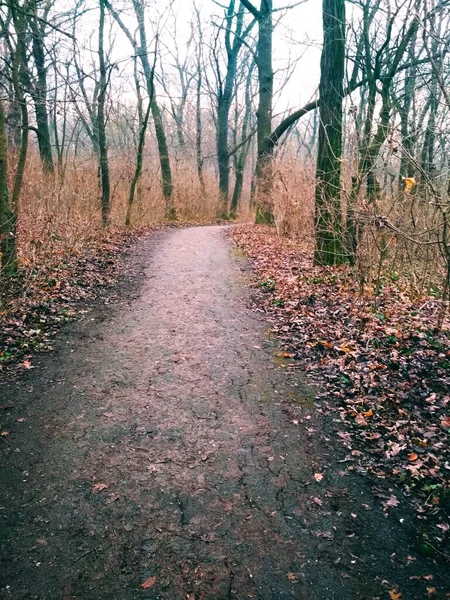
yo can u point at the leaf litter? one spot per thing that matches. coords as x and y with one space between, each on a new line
383 368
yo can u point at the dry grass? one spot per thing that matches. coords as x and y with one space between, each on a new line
410 252
60 217
294 198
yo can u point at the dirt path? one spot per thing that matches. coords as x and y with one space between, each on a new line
163 442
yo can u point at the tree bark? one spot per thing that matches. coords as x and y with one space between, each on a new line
39 92
101 123
328 217
264 161
164 159
7 216
241 156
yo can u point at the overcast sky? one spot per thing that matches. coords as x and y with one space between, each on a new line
297 40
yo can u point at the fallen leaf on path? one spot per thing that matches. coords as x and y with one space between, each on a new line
4 433
445 422
318 477
149 583
112 498
27 364
360 420
98 487
317 501
413 456
391 503
292 578
395 594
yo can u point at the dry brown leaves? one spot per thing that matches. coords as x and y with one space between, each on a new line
385 368
43 297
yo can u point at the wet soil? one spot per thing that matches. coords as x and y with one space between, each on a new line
166 441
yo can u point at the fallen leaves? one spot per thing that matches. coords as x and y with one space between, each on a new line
99 487
392 502
395 594
44 297
385 369
360 420
150 582
318 477
445 422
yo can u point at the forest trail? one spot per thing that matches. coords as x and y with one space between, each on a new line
164 451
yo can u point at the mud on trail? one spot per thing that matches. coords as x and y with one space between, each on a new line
164 444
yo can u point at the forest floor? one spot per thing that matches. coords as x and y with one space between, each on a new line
168 448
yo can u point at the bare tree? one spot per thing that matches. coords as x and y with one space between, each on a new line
329 239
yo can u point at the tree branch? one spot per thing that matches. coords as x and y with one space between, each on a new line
251 9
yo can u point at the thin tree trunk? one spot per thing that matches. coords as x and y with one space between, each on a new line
199 131
101 124
241 157
18 76
7 216
139 161
161 139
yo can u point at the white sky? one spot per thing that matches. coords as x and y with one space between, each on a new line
297 37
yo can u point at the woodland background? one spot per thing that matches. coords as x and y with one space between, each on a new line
110 118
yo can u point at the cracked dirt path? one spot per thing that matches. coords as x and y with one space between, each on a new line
163 440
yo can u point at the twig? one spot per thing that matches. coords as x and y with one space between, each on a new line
85 554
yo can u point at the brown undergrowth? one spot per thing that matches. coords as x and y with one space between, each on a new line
383 367
65 255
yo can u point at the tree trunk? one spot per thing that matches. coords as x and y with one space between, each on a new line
199 130
328 216
407 167
40 93
241 157
138 168
101 123
7 217
18 76
264 164
225 99
164 159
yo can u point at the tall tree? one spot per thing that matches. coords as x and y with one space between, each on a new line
264 176
101 121
38 87
328 216
235 37
141 49
7 216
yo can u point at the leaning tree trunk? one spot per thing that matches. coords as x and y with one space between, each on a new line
166 172
328 215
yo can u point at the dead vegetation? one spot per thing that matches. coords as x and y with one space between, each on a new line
382 365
